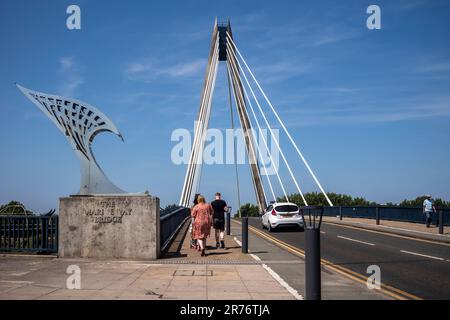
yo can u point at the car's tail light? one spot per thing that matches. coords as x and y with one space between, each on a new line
274 213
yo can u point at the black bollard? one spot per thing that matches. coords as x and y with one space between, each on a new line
441 222
44 233
244 235
377 215
340 213
228 222
312 264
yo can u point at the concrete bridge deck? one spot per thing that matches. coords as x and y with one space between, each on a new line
269 272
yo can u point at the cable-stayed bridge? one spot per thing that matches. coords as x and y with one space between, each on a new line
242 85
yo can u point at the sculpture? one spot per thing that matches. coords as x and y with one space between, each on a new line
80 123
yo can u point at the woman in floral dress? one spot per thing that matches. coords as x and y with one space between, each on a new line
201 228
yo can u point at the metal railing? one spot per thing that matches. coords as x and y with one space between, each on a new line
35 234
170 224
406 214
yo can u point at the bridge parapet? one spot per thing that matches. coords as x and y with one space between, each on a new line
170 224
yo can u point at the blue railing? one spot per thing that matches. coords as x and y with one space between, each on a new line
170 223
406 214
35 234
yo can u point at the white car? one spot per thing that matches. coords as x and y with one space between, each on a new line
282 214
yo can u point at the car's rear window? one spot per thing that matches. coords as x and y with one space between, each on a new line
286 208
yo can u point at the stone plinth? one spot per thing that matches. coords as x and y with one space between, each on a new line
109 226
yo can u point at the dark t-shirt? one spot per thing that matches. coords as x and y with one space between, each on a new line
218 207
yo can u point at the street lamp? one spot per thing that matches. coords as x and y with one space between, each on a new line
312 221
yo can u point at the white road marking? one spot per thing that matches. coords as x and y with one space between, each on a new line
275 275
422 255
354 240
18 274
283 283
17 282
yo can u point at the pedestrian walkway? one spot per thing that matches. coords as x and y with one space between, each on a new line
224 274
416 230
180 251
268 272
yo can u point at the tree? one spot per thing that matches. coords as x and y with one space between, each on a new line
418 202
14 208
318 199
249 210
168 209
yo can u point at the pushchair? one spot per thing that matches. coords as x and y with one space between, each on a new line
194 244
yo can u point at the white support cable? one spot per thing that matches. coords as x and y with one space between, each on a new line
270 129
243 135
202 135
200 126
187 186
200 143
199 150
282 124
205 132
238 191
267 148
259 151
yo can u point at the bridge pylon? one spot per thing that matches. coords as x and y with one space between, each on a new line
218 52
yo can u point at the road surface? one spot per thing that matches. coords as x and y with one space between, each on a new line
417 267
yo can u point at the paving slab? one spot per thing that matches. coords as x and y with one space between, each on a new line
224 274
191 278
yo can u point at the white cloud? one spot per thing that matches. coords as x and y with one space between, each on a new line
436 67
148 71
70 85
66 63
71 77
385 111
185 69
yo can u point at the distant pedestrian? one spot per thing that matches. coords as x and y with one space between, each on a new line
428 209
219 208
201 228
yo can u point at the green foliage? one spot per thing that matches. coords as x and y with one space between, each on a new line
14 208
168 209
318 199
249 210
418 202
171 207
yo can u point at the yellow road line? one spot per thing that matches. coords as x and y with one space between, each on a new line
387 233
386 289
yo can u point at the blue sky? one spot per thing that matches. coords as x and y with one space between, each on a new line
369 109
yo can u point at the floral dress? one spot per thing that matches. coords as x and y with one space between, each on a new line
202 214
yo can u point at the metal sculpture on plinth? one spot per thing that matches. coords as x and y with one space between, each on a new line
80 123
